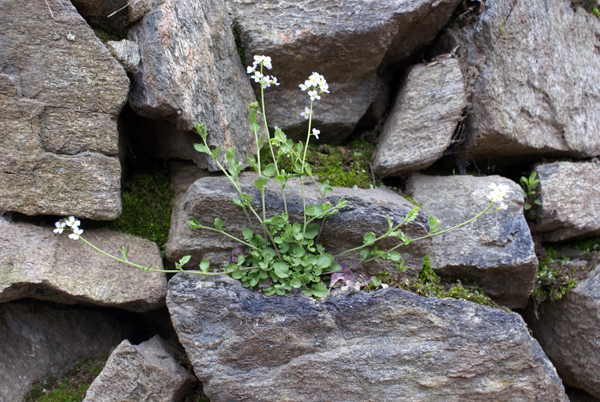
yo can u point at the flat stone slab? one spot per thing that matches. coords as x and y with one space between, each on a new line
570 196
144 372
496 250
346 42
424 118
533 68
37 263
40 339
569 332
366 211
388 345
60 94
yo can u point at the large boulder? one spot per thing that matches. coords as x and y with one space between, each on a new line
366 211
39 340
570 200
534 69
424 118
60 94
389 345
190 72
496 250
36 263
347 42
569 332
144 372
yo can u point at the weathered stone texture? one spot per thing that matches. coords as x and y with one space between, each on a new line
570 196
569 332
190 72
146 372
36 263
60 93
389 345
127 53
366 211
496 250
346 42
421 125
40 340
535 78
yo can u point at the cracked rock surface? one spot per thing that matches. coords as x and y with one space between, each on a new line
60 94
389 345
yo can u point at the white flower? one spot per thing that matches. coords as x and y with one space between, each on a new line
72 222
498 192
315 85
502 206
257 77
306 114
316 133
264 60
60 226
313 95
76 233
251 69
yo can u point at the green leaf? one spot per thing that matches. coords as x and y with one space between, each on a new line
201 130
237 202
247 232
411 216
394 256
204 264
237 274
202 148
312 230
537 202
254 126
218 224
252 161
364 254
125 252
281 269
269 170
193 224
320 290
260 182
433 224
324 261
216 152
308 170
369 238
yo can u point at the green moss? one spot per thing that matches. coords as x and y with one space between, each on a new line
238 44
587 245
105 35
429 284
72 387
147 208
346 166
553 278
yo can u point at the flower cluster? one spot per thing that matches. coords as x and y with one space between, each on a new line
264 80
498 194
315 85
71 223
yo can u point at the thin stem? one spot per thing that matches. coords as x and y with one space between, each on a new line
112 256
228 235
302 168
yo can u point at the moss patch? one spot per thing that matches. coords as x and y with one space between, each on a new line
72 387
105 35
147 207
343 166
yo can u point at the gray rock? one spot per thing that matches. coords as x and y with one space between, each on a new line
36 263
569 332
127 53
366 211
146 372
190 72
389 345
424 118
60 93
96 13
347 42
138 9
570 196
534 71
40 340
496 250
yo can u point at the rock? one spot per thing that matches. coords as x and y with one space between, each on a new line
127 53
36 263
569 332
570 196
60 94
496 250
96 13
577 395
534 70
138 9
39 340
211 197
146 372
389 345
190 72
424 119
347 42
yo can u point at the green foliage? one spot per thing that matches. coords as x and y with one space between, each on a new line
587 245
342 166
238 44
553 279
429 284
595 11
72 387
105 35
146 202
529 185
